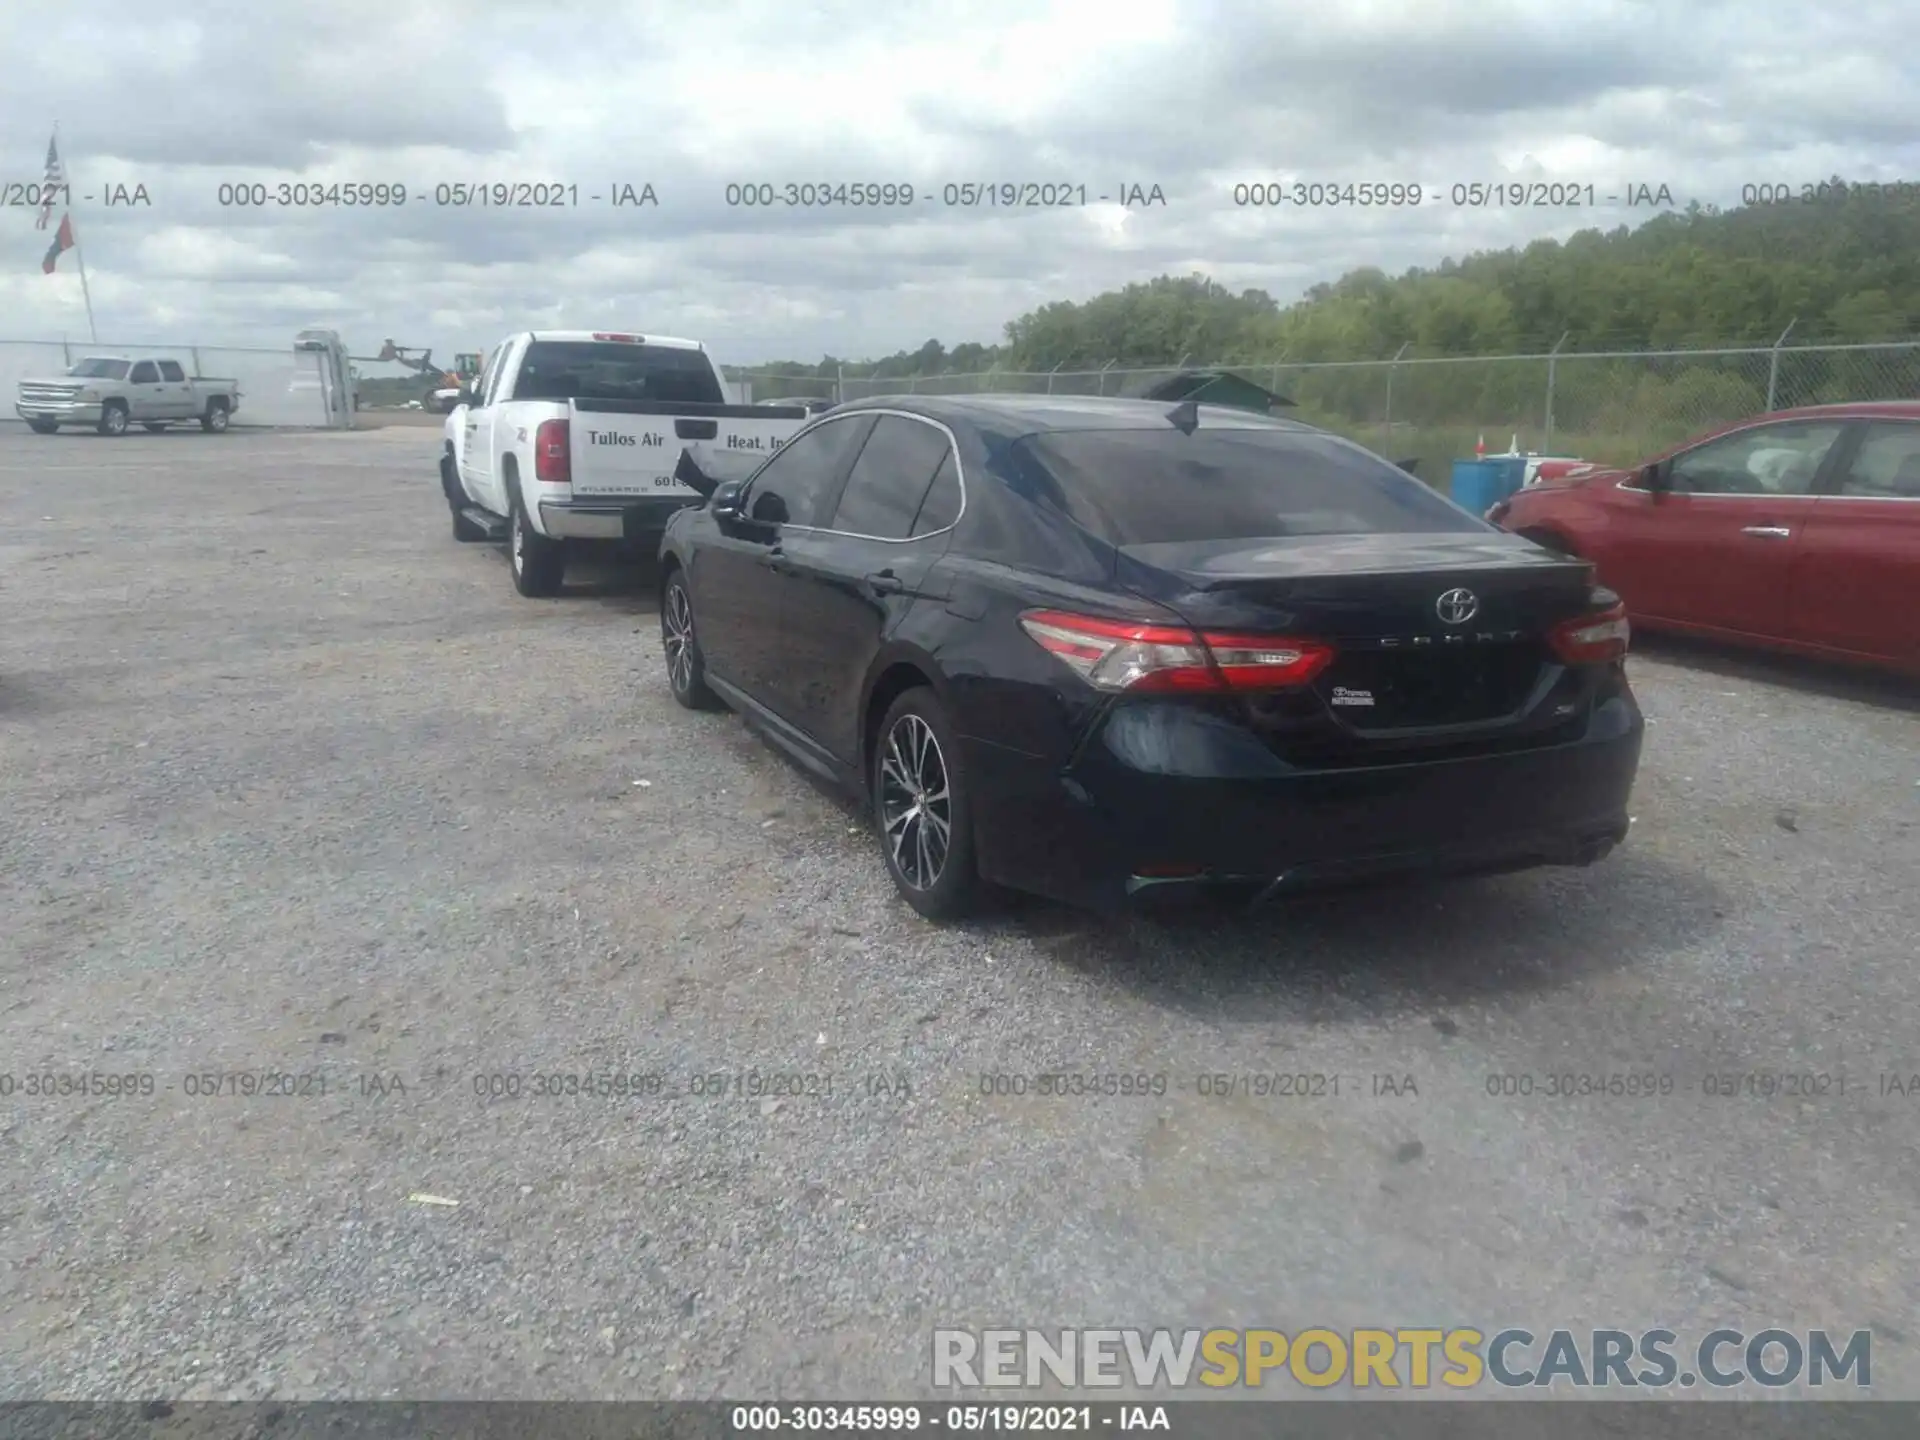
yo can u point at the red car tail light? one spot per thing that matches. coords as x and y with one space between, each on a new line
1592 639
552 459
1116 655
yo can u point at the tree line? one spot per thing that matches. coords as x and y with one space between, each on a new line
1842 266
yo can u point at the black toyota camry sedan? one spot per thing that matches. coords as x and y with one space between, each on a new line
1098 648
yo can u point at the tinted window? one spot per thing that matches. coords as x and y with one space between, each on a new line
1887 464
609 370
1144 487
890 479
797 484
942 505
143 374
170 370
489 376
1766 460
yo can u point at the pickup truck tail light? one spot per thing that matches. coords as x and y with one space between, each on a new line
552 460
1592 639
1120 655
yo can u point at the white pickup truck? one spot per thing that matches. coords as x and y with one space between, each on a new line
111 392
575 436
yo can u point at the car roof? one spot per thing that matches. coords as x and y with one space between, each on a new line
1016 414
1845 410
672 342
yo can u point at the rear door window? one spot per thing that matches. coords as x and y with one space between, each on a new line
170 370
889 481
944 499
1887 464
144 374
1146 487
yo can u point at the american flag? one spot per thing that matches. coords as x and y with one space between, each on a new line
53 185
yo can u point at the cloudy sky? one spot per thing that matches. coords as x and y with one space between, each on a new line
1192 96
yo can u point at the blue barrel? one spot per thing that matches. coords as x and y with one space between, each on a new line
1479 484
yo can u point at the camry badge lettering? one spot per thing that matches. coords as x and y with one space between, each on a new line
1456 607
1476 637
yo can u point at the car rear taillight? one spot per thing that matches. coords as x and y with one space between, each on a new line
552 460
1117 655
1592 639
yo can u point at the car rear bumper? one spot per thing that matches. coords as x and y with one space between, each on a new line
1109 829
637 522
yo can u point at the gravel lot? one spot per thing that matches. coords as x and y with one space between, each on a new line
291 782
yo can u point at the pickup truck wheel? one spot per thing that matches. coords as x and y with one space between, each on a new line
539 564
922 809
686 667
153 427
215 420
43 427
113 418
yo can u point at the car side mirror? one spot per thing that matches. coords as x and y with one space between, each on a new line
1656 478
725 502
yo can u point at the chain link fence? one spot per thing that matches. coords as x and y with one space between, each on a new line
1617 407
277 387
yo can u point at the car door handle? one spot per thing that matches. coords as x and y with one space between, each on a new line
884 582
1767 532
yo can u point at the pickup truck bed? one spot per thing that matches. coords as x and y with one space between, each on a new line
631 447
577 437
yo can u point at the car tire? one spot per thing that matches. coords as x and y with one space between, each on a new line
917 774
464 530
214 421
539 564
43 427
686 666
153 427
113 418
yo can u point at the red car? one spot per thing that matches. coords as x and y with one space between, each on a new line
1798 530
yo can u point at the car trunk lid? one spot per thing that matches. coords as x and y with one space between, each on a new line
1439 638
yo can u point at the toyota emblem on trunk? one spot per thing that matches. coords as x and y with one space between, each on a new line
1456 607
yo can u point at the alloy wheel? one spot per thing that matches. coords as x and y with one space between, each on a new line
916 802
677 636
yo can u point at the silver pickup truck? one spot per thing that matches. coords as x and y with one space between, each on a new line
111 392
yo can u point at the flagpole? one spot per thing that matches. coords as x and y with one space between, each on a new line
79 254
86 294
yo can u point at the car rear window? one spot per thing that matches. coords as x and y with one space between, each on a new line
609 370
1149 487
